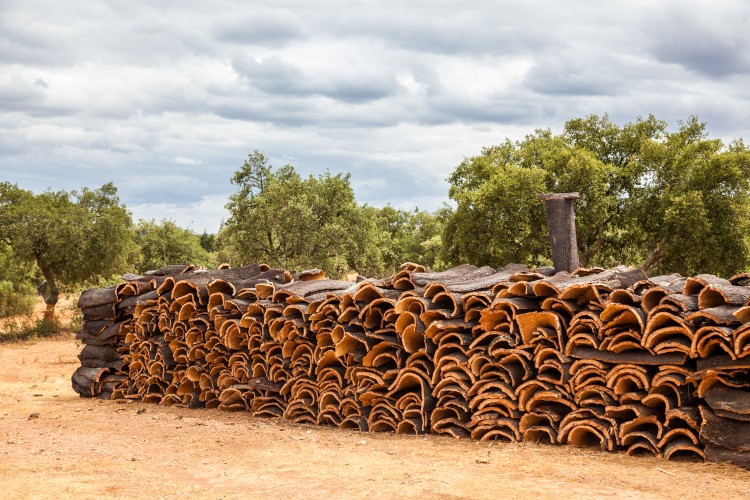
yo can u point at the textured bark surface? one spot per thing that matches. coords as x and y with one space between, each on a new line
561 223
725 432
729 401
594 358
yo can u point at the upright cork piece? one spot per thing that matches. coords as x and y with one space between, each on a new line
561 221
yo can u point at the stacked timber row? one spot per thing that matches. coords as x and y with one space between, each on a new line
108 320
609 358
101 359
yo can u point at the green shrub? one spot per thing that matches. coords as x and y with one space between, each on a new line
16 300
26 329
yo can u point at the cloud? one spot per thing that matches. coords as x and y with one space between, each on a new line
201 215
181 160
349 83
449 28
18 93
268 27
578 74
710 41
33 97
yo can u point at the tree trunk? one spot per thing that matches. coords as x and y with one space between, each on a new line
590 251
653 259
53 293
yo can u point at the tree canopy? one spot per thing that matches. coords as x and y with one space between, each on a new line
666 201
17 291
164 243
72 237
283 219
411 236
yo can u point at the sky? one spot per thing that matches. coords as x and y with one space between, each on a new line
166 98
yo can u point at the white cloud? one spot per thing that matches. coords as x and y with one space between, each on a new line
204 215
181 160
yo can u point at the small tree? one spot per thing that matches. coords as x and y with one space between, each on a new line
411 236
17 280
165 243
283 219
72 237
208 241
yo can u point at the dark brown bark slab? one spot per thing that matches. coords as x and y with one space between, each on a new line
96 297
632 357
722 294
729 401
724 432
103 311
719 454
723 362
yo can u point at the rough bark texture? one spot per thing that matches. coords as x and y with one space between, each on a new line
52 294
561 222
603 358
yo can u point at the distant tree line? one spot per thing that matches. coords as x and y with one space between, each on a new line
664 201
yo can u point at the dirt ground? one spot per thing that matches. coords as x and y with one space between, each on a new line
54 444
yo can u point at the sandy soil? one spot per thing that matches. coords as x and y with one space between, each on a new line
54 444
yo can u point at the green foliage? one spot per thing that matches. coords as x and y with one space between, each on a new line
499 221
280 218
208 242
667 201
15 300
694 203
28 329
166 243
414 236
72 237
17 291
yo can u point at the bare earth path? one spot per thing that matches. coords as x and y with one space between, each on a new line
91 449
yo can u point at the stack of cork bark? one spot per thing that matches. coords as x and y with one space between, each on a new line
101 360
609 358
